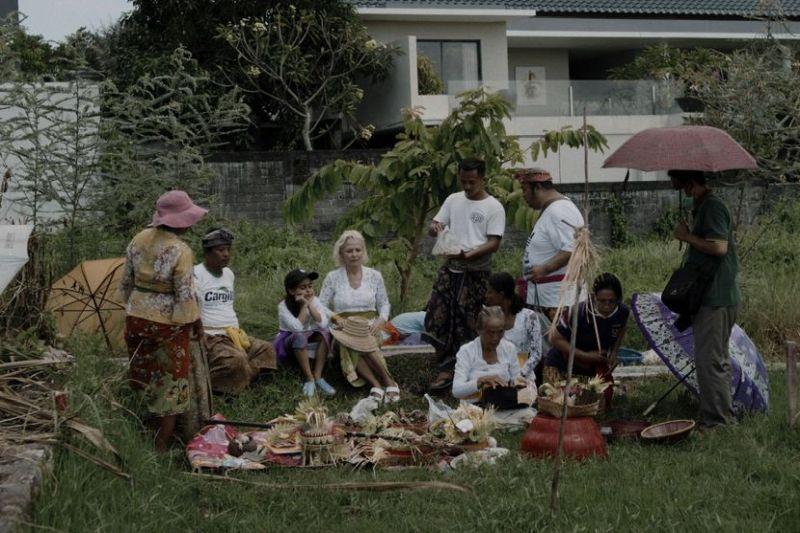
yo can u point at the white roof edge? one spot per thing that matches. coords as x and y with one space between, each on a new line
588 34
398 12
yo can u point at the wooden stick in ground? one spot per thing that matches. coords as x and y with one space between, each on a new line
585 169
96 460
238 423
791 381
560 445
365 485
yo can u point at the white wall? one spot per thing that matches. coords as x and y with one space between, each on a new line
492 36
383 101
567 166
56 101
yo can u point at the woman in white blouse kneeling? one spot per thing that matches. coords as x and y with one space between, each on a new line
522 327
488 373
356 290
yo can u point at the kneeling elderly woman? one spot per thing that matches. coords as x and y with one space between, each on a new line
488 373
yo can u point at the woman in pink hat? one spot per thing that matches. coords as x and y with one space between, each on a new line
162 311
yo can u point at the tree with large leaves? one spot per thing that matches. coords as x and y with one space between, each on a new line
412 180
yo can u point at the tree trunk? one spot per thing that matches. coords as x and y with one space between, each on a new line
408 265
405 283
307 129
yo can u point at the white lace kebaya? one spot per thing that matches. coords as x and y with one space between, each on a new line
339 297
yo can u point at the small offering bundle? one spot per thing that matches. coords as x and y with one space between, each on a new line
583 399
469 424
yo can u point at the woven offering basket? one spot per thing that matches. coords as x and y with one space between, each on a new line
473 446
416 457
549 407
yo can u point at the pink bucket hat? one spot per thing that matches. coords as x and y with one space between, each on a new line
176 210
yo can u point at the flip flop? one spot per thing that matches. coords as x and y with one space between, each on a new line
442 382
392 395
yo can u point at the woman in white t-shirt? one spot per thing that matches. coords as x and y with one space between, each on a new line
521 325
303 324
356 290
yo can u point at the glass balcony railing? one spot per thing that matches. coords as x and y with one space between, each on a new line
537 98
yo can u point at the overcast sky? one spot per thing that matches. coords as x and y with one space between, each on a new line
56 19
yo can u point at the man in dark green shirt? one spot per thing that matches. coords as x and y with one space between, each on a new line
712 246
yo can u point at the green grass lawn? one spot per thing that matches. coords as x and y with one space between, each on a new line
744 478
739 479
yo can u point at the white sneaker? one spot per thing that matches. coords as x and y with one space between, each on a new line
309 389
325 387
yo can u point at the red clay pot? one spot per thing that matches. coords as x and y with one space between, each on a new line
582 438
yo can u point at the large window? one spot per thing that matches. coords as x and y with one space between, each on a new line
457 63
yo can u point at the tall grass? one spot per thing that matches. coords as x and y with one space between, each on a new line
769 252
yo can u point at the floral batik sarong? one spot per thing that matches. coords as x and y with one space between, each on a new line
452 311
159 366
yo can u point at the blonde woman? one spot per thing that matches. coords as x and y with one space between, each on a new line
357 290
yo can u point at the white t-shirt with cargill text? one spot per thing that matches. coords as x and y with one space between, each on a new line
216 296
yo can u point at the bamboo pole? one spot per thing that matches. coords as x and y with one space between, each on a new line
791 381
369 486
560 445
573 335
585 169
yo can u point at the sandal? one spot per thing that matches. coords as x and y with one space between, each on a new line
376 393
392 394
442 382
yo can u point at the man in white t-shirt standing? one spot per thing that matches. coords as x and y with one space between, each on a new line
550 244
234 358
477 220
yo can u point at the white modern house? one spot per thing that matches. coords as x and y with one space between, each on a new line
550 59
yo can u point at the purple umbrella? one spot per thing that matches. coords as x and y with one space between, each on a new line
749 379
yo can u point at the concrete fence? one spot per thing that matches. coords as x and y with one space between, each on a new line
254 185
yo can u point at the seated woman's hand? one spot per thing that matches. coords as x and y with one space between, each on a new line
336 319
491 382
520 382
596 356
377 325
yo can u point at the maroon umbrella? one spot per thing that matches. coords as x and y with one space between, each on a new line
681 148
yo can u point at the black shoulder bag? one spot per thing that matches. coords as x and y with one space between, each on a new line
688 285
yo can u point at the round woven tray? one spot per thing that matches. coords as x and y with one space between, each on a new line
552 408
